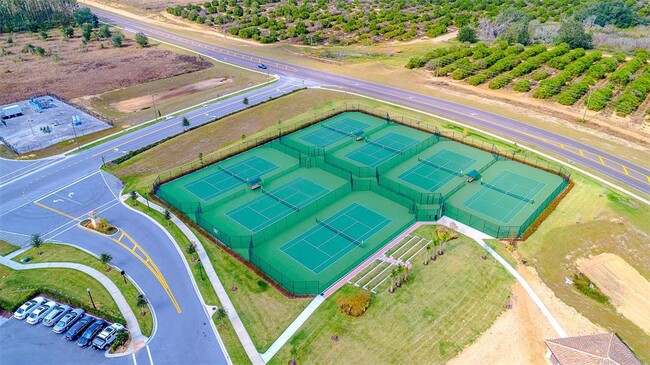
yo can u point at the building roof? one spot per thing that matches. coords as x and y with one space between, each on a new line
600 349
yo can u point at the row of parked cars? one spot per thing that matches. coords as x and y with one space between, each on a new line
75 323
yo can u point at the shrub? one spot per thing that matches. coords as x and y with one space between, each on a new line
501 81
599 98
540 75
141 39
477 79
572 93
586 287
522 86
467 34
356 305
623 75
120 339
117 39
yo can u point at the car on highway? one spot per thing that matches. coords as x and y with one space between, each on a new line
262 66
28 307
39 313
107 336
78 328
91 332
68 320
55 315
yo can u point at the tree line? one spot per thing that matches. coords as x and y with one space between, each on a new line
35 15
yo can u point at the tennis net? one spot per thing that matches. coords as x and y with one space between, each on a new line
282 201
427 162
350 134
340 233
494 187
233 174
395 150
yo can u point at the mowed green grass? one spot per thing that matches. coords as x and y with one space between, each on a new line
589 221
63 253
6 248
443 307
66 285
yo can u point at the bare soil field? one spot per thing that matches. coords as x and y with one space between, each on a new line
70 70
144 101
627 289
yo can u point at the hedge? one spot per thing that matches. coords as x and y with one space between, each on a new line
540 75
477 79
573 93
561 62
623 75
501 81
634 94
522 86
599 98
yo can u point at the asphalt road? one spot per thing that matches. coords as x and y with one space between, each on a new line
622 171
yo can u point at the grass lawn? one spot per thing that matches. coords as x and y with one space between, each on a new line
65 285
231 341
589 221
443 307
63 253
6 248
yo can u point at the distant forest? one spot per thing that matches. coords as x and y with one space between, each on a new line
34 15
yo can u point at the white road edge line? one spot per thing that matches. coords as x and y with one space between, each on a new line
565 164
134 361
149 353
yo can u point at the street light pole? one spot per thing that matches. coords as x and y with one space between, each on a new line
91 298
200 268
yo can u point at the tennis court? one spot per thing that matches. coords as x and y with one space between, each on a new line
376 152
325 134
331 239
433 172
505 195
227 178
276 204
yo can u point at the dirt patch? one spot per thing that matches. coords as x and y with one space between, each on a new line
626 288
70 70
142 102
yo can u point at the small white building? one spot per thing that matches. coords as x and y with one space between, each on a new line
11 111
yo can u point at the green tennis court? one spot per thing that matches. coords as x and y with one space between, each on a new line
331 239
227 178
330 133
505 195
433 172
276 204
376 152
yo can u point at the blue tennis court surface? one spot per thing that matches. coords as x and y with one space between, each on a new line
229 177
514 192
330 133
327 242
436 170
376 152
276 204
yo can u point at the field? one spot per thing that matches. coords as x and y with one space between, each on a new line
569 77
63 253
6 248
429 320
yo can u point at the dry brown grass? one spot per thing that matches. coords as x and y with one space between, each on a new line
79 73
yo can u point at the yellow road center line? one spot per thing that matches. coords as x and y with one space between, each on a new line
57 211
625 170
601 160
582 153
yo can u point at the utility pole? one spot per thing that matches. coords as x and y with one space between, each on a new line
584 116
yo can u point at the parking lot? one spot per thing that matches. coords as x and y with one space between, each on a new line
21 343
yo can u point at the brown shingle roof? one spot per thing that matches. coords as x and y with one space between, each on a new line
601 349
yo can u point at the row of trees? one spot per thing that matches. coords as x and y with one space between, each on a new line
35 15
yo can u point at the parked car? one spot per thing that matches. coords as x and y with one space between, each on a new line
55 315
91 332
39 313
28 307
262 66
106 337
68 320
78 328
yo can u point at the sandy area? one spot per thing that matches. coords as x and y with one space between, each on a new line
517 336
627 289
135 104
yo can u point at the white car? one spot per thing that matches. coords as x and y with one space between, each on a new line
107 336
28 307
39 313
54 316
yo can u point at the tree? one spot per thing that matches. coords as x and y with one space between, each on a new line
142 302
245 101
399 269
84 15
573 33
186 122
221 314
86 31
467 34
104 31
426 257
443 236
393 277
434 243
167 215
141 39
133 195
191 249
117 39
106 259
37 242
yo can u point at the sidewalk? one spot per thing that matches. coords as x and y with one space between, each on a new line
129 316
222 294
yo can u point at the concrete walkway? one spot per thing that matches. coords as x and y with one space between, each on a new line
218 287
479 237
129 316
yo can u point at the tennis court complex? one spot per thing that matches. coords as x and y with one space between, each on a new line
332 238
308 207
